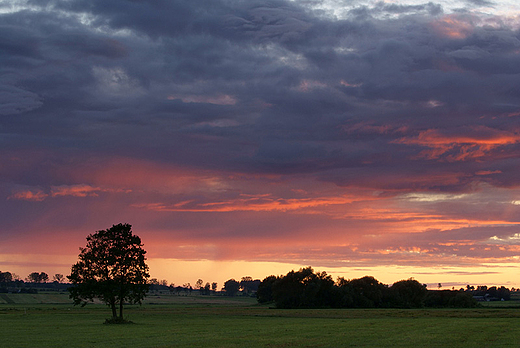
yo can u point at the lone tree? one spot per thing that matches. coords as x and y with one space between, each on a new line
111 268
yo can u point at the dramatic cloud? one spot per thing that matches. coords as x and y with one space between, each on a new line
17 101
327 132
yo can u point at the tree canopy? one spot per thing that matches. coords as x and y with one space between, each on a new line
111 268
231 287
6 277
303 289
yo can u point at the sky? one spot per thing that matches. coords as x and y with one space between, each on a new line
250 138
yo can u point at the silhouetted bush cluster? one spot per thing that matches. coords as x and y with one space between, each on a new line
449 298
307 289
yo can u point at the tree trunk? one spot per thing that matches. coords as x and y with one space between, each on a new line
121 309
113 306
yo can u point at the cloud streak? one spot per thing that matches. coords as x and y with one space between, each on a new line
468 143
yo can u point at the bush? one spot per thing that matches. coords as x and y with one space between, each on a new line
463 300
449 298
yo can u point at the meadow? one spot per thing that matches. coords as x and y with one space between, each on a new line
50 320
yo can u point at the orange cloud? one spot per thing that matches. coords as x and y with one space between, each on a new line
405 221
513 114
264 202
488 172
75 190
479 141
453 27
29 195
83 190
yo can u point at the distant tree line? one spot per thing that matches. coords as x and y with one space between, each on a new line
11 282
308 289
35 281
493 293
247 286
34 277
298 289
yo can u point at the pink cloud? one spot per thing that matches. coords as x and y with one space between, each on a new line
488 172
80 190
453 27
370 128
221 99
348 84
308 85
257 203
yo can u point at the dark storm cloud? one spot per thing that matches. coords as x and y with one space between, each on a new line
262 86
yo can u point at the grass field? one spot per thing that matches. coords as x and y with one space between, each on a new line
49 320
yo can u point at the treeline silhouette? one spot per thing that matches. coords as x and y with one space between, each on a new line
304 288
40 281
34 282
308 289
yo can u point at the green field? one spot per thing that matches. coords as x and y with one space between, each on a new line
49 320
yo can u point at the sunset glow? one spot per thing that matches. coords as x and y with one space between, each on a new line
252 138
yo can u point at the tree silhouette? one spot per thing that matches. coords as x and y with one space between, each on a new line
408 293
231 287
249 285
111 268
58 278
36 277
265 289
5 279
199 284
207 289
300 289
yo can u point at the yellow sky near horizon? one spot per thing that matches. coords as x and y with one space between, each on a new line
180 272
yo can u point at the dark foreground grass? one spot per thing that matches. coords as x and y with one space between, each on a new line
181 322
